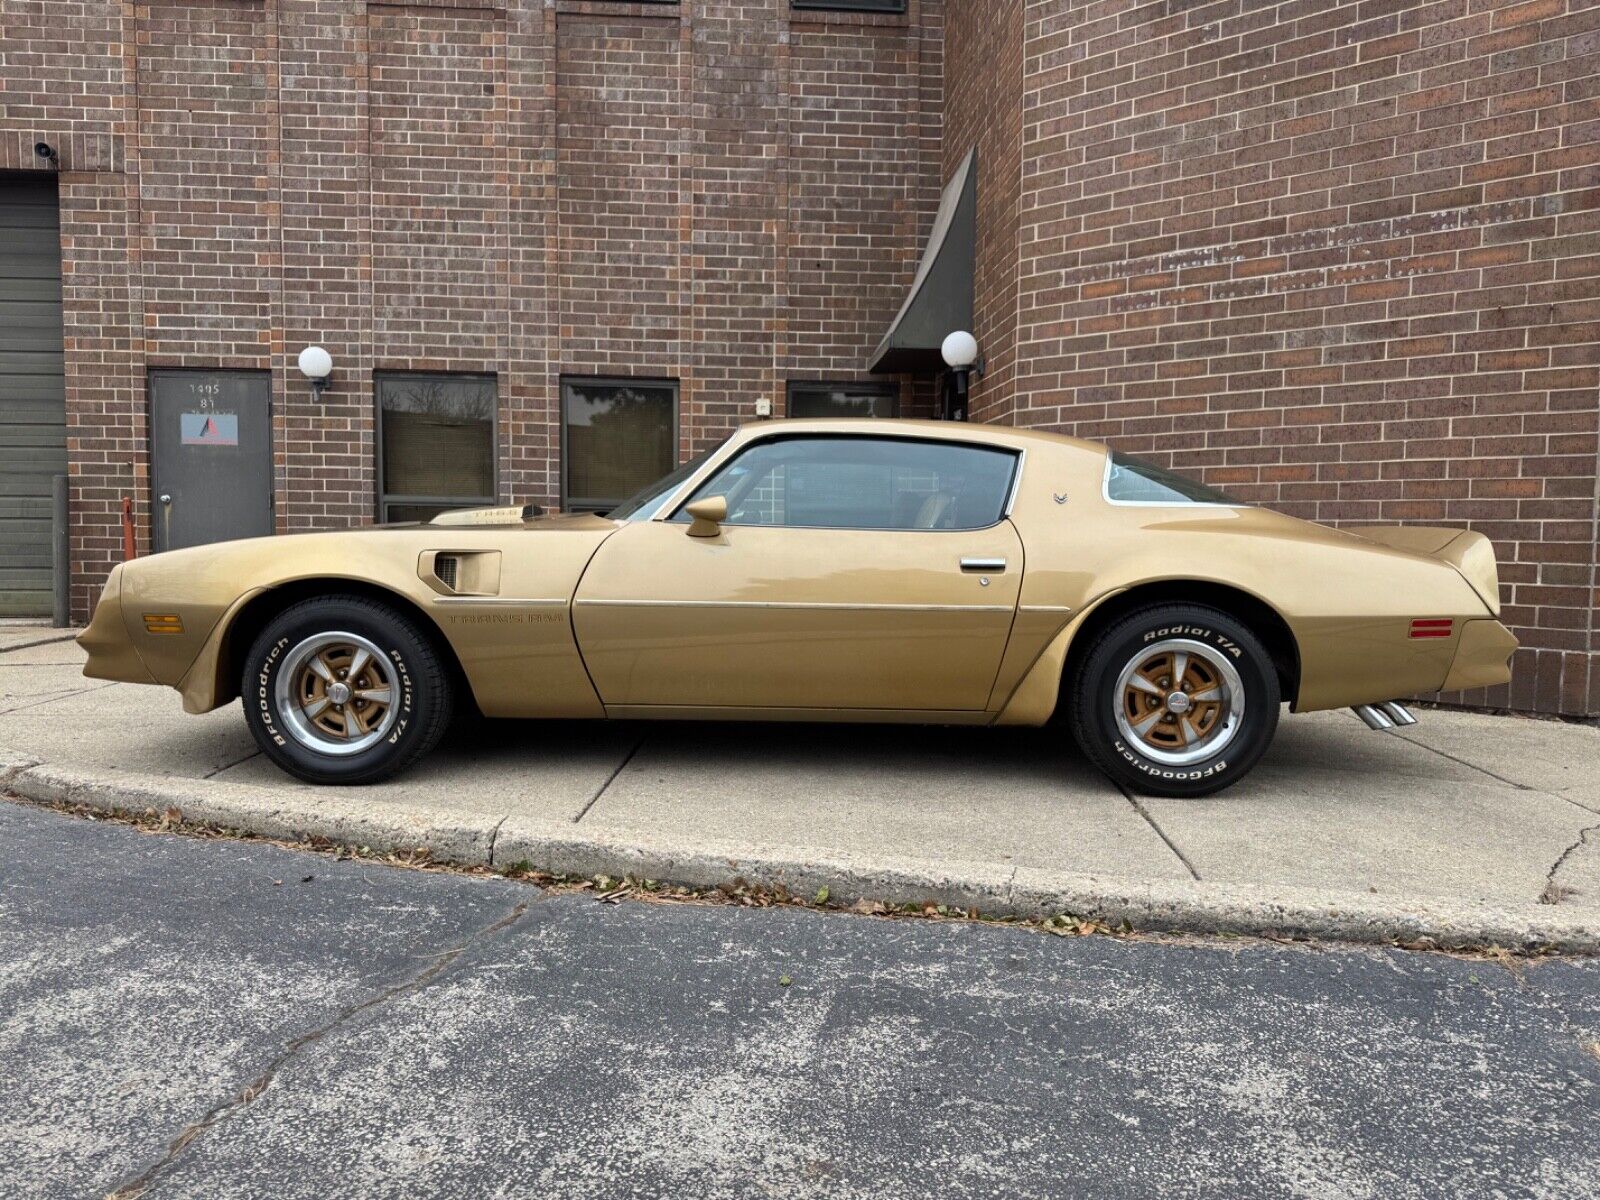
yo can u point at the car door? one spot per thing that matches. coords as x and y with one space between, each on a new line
852 572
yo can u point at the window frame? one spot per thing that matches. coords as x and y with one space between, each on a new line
891 391
384 498
680 502
891 7
604 506
1105 494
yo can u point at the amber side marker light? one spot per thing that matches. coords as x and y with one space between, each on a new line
1432 628
163 623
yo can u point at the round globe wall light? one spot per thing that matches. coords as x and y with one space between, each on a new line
316 364
960 350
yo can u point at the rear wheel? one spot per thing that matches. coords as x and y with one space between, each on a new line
1175 700
342 689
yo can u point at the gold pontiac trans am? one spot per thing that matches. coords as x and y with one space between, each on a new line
826 571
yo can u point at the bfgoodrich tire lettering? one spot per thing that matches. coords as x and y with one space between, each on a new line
344 690
1175 700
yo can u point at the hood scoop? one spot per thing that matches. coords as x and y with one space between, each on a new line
466 517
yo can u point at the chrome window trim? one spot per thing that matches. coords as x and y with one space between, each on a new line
1105 494
1016 482
778 434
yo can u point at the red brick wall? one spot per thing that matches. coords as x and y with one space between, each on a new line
984 68
1341 259
726 193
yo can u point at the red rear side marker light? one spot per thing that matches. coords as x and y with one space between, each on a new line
1432 628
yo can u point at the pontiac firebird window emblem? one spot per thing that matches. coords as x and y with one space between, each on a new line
1061 497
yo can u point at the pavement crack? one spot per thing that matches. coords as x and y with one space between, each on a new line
1472 766
1554 892
610 779
494 835
57 696
241 1099
45 641
212 774
1161 833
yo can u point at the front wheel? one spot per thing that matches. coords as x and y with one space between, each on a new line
1175 700
342 689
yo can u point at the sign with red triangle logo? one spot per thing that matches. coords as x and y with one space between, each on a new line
209 429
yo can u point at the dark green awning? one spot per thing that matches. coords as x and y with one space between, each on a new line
940 301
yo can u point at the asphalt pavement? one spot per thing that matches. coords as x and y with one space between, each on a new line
213 1018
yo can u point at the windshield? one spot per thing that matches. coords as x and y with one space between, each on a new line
641 505
1133 481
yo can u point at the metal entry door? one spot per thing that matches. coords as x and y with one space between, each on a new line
210 456
33 421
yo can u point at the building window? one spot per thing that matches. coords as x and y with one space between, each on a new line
883 6
843 400
617 436
436 444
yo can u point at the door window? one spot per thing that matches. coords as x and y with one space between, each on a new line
864 483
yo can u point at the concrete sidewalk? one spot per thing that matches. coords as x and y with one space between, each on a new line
1465 828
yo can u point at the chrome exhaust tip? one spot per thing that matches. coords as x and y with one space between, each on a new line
1372 716
1397 712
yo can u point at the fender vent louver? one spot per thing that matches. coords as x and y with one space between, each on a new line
445 567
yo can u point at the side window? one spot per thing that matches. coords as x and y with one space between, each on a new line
1133 481
864 483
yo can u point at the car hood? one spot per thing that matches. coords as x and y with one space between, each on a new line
528 516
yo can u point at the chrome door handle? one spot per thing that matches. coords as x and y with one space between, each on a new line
988 566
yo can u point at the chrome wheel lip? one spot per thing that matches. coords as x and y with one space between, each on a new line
295 721
1233 702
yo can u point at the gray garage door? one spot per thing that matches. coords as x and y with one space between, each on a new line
33 430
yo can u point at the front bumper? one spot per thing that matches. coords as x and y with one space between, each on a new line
111 651
1483 656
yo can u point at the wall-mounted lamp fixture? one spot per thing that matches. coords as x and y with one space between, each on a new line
960 353
316 364
47 152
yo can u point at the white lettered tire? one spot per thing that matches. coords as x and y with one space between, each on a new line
344 690
1175 700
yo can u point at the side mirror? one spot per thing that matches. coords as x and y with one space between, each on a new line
708 516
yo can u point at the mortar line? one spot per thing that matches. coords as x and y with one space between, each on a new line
1160 833
610 779
142 1182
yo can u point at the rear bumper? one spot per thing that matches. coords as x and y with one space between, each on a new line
1483 656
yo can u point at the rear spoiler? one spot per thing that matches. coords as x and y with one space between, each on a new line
1467 551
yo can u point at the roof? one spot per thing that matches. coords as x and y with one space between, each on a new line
998 435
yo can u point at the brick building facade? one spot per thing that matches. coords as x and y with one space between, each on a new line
1339 258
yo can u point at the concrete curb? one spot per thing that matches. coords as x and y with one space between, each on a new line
345 818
